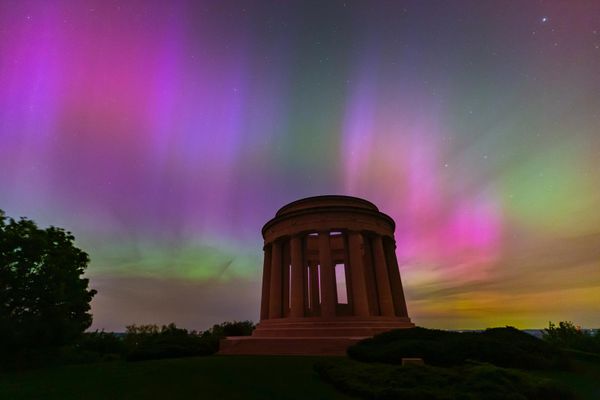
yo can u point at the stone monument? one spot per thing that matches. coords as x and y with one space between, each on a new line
330 279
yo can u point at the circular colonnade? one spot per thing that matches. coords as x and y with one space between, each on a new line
330 270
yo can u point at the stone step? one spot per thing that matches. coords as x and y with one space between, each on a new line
320 331
334 324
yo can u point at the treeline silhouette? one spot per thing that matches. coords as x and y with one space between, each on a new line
570 337
148 342
139 342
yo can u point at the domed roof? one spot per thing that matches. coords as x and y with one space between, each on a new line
326 201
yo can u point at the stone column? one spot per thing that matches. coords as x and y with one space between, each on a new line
275 292
305 286
370 275
328 285
266 283
314 288
297 278
384 292
285 278
395 280
357 272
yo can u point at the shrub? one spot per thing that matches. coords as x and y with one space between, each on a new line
235 328
101 342
505 347
213 336
469 382
568 336
148 342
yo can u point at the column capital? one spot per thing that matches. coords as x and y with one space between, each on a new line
277 241
389 239
362 232
356 233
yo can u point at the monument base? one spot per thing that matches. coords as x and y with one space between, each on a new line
330 327
310 336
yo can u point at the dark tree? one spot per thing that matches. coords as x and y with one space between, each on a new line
44 301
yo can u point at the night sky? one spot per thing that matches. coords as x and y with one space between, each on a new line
164 134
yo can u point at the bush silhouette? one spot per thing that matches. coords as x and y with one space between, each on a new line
145 342
472 381
566 335
235 328
100 342
505 347
148 342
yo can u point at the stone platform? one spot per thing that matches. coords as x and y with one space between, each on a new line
310 336
330 327
292 346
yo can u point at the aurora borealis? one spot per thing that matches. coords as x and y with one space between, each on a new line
164 134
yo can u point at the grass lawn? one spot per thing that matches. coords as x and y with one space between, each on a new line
215 377
218 377
584 380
